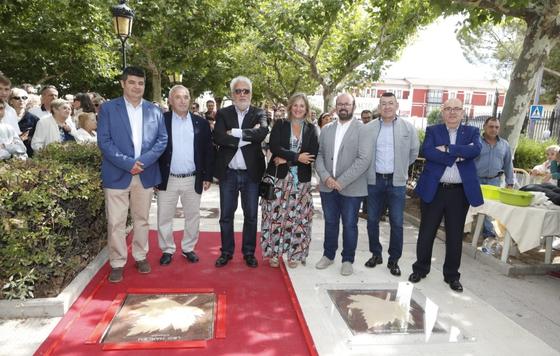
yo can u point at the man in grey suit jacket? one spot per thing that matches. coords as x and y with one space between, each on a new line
344 157
395 147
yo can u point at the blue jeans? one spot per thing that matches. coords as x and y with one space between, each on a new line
335 207
488 228
234 182
384 194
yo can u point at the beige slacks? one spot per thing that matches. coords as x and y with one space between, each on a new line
117 202
167 205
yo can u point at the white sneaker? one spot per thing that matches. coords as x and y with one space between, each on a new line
323 263
346 269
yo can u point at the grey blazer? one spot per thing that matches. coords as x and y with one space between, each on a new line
354 158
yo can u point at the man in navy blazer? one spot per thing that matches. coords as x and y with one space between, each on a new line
131 135
447 186
186 169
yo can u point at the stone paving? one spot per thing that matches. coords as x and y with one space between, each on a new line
498 315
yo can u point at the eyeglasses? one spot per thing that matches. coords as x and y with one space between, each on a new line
242 91
454 109
348 105
20 97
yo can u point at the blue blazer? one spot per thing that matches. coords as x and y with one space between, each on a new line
114 138
467 147
203 152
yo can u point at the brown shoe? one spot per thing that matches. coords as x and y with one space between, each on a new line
116 275
143 266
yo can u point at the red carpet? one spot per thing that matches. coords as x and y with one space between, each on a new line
262 316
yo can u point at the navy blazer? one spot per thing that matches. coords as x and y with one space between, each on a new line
280 147
226 119
203 152
114 138
467 147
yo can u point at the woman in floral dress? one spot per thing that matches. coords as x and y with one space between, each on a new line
286 220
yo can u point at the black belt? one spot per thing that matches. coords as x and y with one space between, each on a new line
496 176
182 175
385 175
450 185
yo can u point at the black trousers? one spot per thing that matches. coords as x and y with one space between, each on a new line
450 203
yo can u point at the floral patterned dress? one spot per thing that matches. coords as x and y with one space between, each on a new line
286 220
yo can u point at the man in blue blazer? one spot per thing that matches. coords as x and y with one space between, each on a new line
131 135
186 169
447 186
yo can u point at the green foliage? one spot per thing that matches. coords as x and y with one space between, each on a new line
434 117
52 218
530 153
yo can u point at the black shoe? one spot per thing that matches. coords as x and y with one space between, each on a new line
223 260
415 277
394 268
455 285
190 256
165 259
374 261
251 261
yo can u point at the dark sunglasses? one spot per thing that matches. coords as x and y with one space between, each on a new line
242 91
19 97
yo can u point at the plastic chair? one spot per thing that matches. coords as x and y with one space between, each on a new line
521 178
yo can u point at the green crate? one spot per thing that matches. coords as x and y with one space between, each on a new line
490 192
515 197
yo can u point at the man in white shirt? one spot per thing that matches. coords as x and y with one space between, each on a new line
10 116
48 94
343 159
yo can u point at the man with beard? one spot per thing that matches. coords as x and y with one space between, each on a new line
239 132
344 157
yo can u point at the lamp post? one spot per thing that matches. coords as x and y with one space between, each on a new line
122 22
175 77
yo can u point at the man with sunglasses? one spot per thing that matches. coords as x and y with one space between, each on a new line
239 132
446 187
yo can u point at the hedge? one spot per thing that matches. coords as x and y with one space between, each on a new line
52 219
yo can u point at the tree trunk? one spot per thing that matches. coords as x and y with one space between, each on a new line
540 38
328 96
156 85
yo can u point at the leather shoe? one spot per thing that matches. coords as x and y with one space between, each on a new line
374 261
223 260
455 285
190 256
415 277
251 261
165 259
394 268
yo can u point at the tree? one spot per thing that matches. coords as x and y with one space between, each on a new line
337 43
58 42
542 34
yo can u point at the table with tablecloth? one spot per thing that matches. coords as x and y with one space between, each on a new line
524 225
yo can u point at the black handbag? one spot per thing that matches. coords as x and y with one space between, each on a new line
266 186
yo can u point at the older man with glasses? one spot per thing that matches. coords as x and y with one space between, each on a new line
446 187
239 132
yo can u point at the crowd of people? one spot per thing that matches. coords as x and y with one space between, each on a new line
180 152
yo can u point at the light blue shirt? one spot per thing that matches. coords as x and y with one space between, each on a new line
385 149
182 131
495 159
135 118
451 174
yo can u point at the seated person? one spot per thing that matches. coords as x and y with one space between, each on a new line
88 124
542 171
554 168
10 142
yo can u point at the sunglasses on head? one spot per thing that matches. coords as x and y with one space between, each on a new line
242 91
19 97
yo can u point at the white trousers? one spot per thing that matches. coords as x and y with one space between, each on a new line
167 206
117 202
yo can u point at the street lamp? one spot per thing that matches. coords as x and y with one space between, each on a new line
175 77
122 22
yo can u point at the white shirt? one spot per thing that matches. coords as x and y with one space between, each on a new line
135 118
39 112
385 149
341 129
182 131
238 161
451 174
10 118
